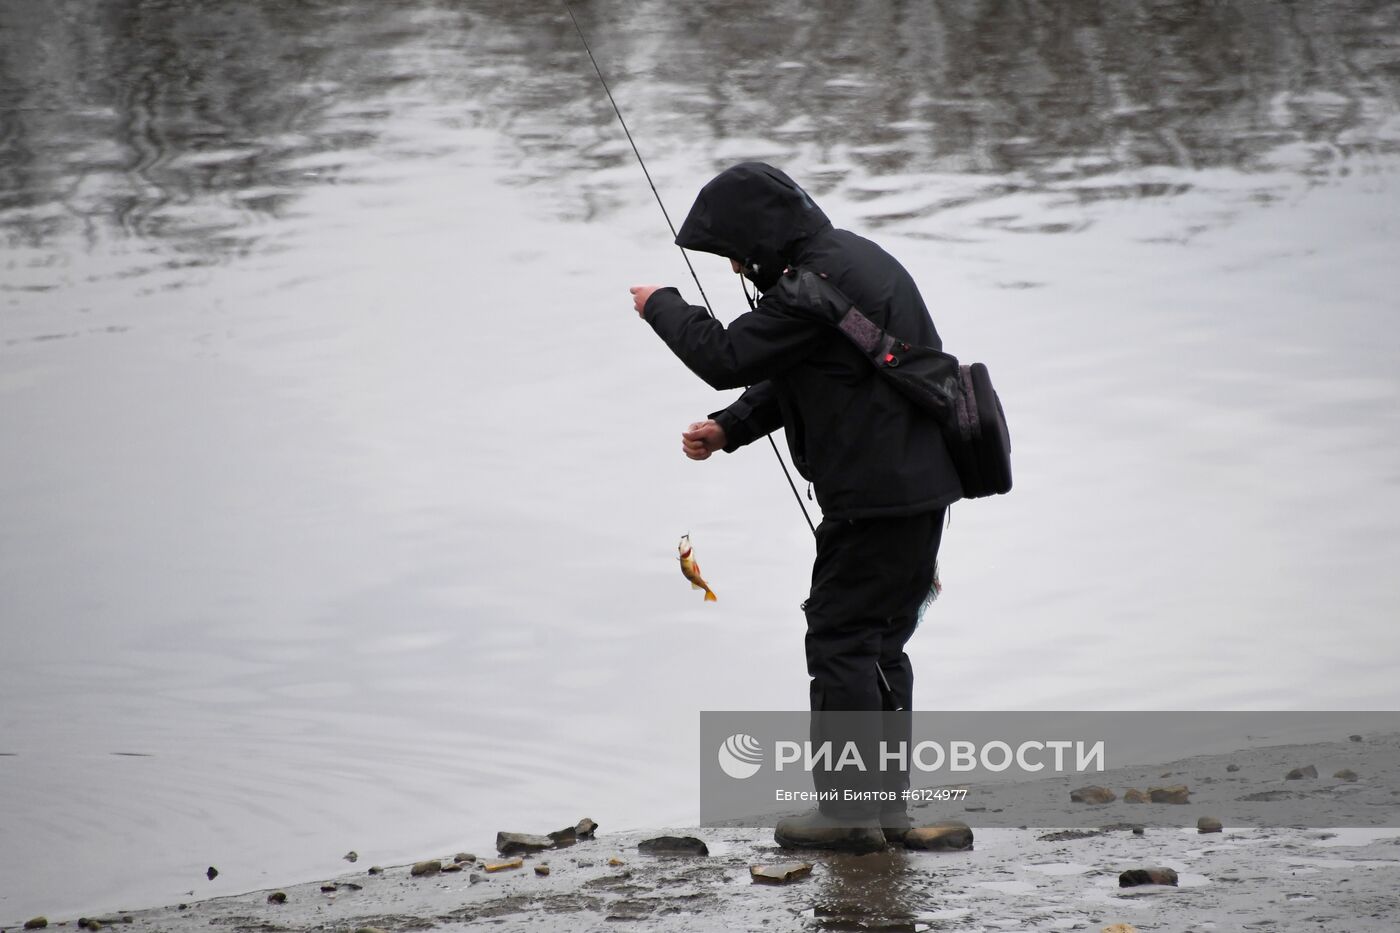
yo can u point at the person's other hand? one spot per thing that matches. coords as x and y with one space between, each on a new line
640 294
702 439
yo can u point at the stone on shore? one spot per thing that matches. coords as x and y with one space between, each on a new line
1298 774
212 873
673 845
564 837
451 867
1232 768
376 869
586 828
1208 824
542 870
1092 794
368 930
505 865
1119 928
1136 876
461 857
948 836
1354 738
781 873
1176 793
277 897
430 867
351 856
1346 774
522 843
36 923
1133 795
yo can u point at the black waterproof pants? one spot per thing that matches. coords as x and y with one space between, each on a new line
868 580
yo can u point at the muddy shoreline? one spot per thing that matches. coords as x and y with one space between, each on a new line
1242 878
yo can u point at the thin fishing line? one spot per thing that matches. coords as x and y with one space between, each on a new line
686 256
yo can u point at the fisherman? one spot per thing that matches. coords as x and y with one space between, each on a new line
878 465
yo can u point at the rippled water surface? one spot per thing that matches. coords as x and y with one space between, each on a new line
339 484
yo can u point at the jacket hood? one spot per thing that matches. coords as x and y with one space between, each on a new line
754 213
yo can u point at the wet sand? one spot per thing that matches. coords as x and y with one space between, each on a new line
1014 879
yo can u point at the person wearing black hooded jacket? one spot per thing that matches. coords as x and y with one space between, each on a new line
878 465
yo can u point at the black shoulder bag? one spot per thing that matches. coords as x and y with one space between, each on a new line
960 398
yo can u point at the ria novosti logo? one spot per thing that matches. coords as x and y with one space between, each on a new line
740 756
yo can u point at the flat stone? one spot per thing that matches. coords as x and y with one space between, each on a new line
1092 794
1346 774
1232 768
368 930
376 870
430 867
673 845
615 861
1354 738
564 837
542 870
474 878
505 865
781 873
36 923
522 843
1176 793
461 857
1119 928
451 867
1208 824
1136 876
329 888
948 836
1133 795
1298 774
586 828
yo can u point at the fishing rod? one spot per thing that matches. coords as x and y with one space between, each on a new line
686 256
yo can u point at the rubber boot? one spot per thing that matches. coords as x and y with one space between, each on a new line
816 830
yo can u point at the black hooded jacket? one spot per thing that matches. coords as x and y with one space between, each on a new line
866 449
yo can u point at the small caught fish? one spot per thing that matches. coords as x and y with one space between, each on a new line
692 570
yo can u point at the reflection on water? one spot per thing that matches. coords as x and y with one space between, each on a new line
343 509
191 125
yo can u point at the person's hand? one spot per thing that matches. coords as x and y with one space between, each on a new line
640 294
702 439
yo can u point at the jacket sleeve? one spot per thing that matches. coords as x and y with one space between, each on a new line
751 416
755 346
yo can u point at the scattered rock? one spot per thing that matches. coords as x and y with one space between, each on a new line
430 867
948 836
212 873
1269 795
449 868
1138 831
779 874
615 861
542 870
1176 793
1346 774
376 869
37 923
586 828
522 843
1298 774
564 837
1208 824
1136 876
1119 928
673 845
349 886
1133 795
1354 738
277 897
351 856
474 878
86 923
1232 768
368 930
1092 794
505 865
329 888
461 857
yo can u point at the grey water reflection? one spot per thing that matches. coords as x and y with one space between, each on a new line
194 124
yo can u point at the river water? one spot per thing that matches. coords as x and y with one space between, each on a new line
340 485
